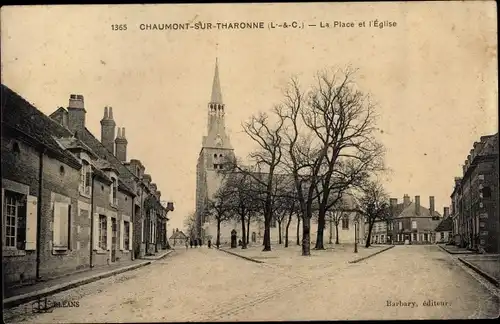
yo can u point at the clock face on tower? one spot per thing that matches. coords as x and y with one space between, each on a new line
218 140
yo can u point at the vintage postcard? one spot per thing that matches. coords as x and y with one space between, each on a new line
250 162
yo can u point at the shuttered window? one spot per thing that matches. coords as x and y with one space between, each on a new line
61 225
19 220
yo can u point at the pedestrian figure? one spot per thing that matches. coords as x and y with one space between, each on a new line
191 243
186 244
209 243
240 243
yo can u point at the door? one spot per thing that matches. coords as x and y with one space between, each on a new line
113 239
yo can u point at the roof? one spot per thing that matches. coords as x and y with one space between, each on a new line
445 225
409 211
178 235
70 143
110 161
24 118
216 91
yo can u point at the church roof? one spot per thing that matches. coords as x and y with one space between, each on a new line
216 91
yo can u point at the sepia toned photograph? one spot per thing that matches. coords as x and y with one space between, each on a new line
250 162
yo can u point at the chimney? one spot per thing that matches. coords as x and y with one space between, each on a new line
446 212
76 113
406 200
431 205
417 205
393 202
108 129
121 145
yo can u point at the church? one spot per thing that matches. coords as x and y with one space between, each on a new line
216 148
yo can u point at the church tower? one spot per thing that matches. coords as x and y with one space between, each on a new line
216 148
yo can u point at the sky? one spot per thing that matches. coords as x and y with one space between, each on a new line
433 77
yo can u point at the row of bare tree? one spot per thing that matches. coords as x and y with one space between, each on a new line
317 146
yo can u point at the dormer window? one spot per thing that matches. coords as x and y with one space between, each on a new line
85 178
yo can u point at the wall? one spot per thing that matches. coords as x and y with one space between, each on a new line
60 187
21 168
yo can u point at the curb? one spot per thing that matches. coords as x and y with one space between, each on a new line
159 257
374 254
241 256
481 272
455 253
21 299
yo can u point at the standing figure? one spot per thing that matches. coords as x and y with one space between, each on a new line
195 243
209 243
191 242
186 243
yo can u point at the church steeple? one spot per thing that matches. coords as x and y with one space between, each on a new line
216 91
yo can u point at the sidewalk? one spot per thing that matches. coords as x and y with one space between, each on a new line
487 265
292 256
15 296
453 249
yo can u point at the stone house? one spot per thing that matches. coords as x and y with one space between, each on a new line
411 223
475 198
444 229
149 216
67 202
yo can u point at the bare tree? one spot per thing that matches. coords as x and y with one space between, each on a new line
330 144
267 156
242 202
190 224
374 206
220 207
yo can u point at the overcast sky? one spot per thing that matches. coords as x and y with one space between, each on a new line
434 77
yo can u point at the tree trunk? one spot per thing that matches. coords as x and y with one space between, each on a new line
331 232
306 236
286 230
248 229
217 243
369 238
279 232
320 231
243 232
298 230
337 233
267 233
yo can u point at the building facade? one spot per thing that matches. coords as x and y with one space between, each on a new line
69 201
475 199
411 223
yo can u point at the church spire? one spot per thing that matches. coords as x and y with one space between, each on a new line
216 92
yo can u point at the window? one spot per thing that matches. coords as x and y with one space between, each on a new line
426 237
400 225
103 232
126 235
15 220
85 178
413 224
345 222
414 237
61 227
215 156
441 235
216 166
